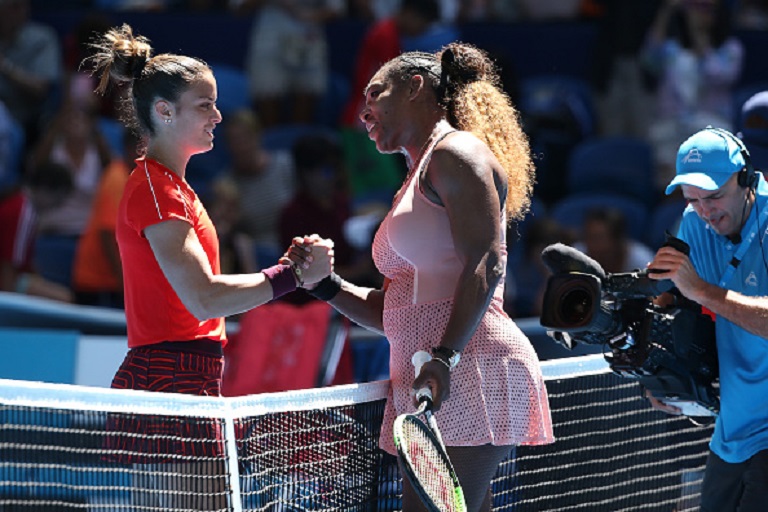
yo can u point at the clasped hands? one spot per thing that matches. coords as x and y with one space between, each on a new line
311 258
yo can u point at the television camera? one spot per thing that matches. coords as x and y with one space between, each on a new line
670 349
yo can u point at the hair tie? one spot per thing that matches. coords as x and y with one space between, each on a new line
139 62
447 63
454 74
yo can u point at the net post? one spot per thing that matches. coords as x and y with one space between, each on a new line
233 468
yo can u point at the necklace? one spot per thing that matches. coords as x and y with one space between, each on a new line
415 163
437 134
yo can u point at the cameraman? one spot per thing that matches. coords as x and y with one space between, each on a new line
725 226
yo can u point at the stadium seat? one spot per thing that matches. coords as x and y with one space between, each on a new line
54 256
622 165
332 103
665 217
12 162
232 87
517 229
112 129
555 96
282 137
570 211
558 113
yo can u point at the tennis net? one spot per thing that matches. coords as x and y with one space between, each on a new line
68 447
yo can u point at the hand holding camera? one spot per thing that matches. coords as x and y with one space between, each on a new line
670 349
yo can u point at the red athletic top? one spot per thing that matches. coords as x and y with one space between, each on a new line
153 311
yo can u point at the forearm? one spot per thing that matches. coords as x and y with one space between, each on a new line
749 313
473 294
364 306
229 294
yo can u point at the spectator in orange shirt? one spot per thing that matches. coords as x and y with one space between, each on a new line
98 276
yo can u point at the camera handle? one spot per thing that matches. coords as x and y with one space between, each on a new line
675 243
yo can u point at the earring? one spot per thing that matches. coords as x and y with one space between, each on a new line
168 121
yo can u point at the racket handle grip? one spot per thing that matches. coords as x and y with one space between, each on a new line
418 359
424 394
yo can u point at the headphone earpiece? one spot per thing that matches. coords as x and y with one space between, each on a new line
747 177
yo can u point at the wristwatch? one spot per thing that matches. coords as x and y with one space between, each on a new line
447 355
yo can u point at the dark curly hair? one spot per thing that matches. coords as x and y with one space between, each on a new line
467 85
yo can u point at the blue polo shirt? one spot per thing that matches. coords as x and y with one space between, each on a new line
741 429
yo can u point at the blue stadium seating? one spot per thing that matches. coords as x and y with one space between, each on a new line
232 88
282 137
54 256
664 217
622 165
570 211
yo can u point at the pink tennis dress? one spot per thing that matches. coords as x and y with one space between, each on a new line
498 394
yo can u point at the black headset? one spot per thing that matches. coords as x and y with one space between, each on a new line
747 177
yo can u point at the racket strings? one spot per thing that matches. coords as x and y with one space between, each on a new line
428 465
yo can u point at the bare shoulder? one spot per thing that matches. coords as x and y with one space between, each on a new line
458 153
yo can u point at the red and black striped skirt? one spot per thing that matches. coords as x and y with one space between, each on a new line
192 368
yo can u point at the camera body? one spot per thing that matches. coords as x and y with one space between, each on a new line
670 350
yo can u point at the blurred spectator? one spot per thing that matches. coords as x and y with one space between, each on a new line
380 9
11 150
548 9
97 272
77 48
321 205
751 14
527 275
373 176
133 5
489 10
43 187
386 39
160 5
264 180
604 238
623 88
697 60
30 67
753 129
74 139
287 56
236 247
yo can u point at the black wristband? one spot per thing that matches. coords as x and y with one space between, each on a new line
327 288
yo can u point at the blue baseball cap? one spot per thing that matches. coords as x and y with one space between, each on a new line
706 160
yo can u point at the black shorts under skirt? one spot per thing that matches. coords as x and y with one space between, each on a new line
193 368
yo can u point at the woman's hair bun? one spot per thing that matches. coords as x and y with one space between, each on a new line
120 55
463 64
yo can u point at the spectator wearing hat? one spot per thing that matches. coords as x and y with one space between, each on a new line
727 273
753 128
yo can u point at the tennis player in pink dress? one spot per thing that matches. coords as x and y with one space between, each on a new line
442 250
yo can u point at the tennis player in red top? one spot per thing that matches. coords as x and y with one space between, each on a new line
175 297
